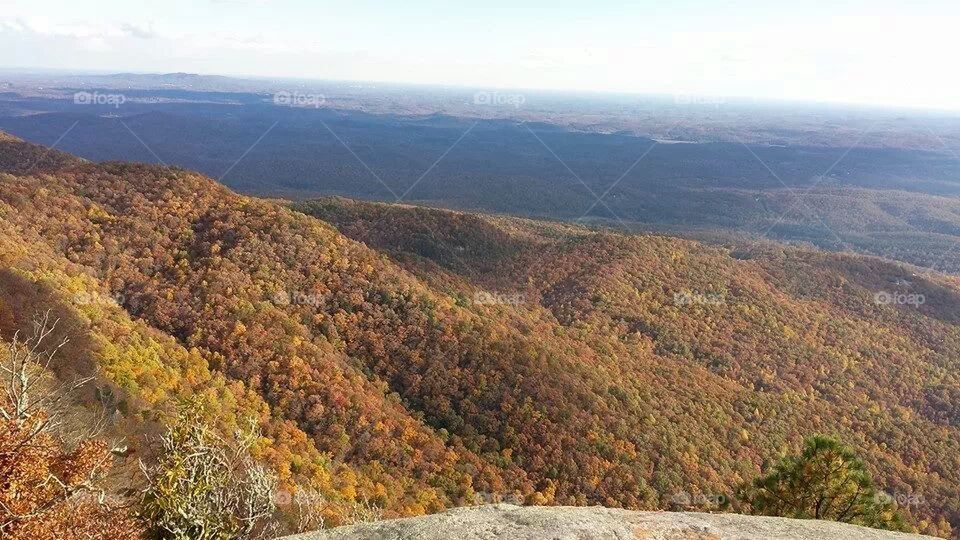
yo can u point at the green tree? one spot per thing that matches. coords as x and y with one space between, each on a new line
826 481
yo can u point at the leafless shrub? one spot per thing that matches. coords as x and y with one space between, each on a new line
365 512
309 510
205 487
28 384
43 472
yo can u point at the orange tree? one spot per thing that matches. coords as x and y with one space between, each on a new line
49 489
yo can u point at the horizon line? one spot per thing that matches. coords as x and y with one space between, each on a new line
767 100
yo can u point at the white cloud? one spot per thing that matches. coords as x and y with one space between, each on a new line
42 26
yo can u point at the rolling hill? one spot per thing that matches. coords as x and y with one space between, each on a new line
419 359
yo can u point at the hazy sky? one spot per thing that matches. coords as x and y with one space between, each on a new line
878 52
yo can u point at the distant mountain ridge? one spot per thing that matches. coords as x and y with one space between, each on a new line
869 183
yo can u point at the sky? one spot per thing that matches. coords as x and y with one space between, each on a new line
898 53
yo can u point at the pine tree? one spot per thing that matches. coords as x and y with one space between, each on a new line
826 481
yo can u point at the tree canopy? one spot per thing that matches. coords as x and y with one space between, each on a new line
825 481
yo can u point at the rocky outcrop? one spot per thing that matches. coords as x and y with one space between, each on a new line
504 521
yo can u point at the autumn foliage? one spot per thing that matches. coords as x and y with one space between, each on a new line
46 491
48 488
631 369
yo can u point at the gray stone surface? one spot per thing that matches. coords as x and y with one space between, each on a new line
504 521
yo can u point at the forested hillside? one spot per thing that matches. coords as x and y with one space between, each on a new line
795 339
424 359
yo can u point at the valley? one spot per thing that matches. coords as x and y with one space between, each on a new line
417 359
